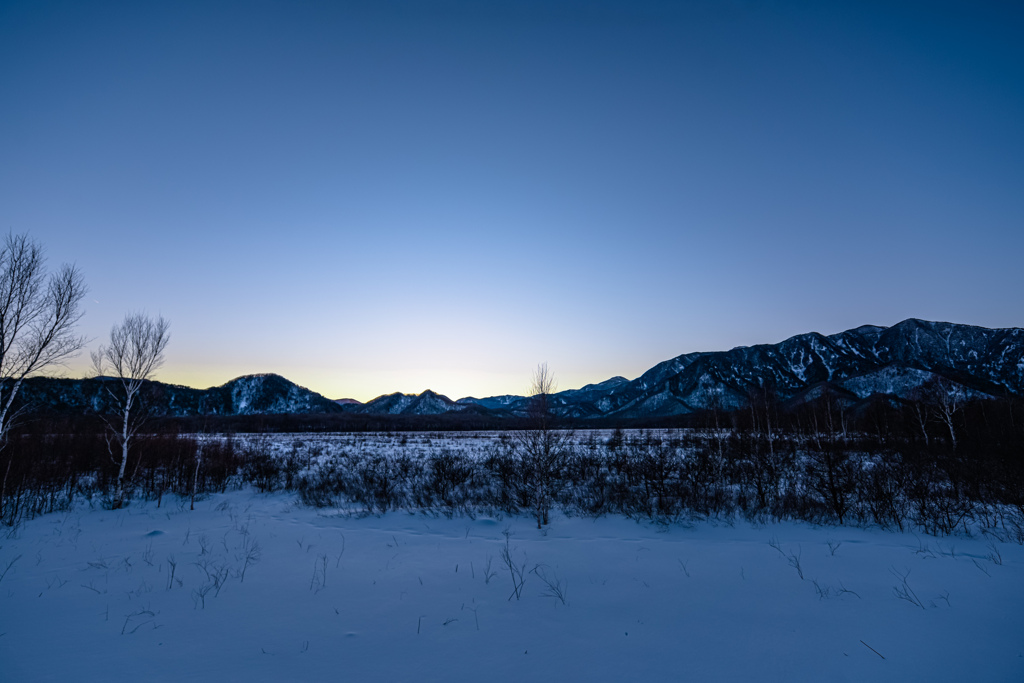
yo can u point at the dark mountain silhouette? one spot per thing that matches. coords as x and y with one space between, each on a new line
854 365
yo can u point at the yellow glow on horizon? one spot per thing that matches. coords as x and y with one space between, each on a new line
361 385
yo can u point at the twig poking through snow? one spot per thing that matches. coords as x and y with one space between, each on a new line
488 572
794 562
872 649
8 567
140 613
319 580
337 562
903 591
556 586
515 570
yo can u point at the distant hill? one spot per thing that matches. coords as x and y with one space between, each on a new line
267 394
427 403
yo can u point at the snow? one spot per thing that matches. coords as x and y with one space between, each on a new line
406 597
888 380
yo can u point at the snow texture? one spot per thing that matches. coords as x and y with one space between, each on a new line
336 595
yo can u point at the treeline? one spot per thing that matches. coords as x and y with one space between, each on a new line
895 464
820 464
343 422
54 462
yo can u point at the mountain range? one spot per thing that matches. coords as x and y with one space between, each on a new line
266 394
855 365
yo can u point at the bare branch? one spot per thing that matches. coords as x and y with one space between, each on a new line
135 352
38 315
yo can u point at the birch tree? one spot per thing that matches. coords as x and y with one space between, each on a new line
949 402
135 352
38 314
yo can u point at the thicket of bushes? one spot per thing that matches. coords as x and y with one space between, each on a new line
889 464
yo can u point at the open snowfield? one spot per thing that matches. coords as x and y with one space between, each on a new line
404 597
313 446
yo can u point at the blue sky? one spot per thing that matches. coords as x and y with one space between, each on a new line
368 197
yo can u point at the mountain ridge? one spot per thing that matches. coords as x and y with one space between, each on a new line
257 394
898 361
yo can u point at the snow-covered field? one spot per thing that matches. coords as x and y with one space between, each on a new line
89 596
257 588
313 445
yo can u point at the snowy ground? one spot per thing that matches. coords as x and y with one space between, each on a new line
89 596
315 446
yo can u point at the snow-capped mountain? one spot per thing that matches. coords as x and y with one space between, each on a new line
427 403
268 394
864 361
856 363
265 394
491 402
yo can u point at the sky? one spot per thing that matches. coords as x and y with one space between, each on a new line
396 195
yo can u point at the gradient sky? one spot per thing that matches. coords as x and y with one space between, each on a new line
380 196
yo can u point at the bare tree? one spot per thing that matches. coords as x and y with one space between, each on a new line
542 386
919 402
949 402
38 315
135 352
543 448
831 469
